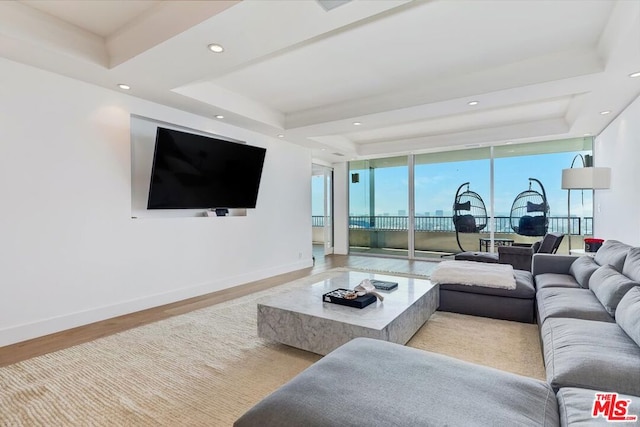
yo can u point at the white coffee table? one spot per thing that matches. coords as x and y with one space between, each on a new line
301 319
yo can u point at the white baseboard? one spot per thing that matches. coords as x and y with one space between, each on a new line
42 327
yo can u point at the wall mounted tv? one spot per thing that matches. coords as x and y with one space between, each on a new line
199 172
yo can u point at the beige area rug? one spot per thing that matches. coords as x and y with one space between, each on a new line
207 367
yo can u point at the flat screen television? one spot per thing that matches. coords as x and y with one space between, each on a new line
199 172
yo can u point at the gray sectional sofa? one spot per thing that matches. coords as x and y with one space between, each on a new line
517 304
508 304
376 383
589 318
588 311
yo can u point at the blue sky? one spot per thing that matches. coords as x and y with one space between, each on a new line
436 185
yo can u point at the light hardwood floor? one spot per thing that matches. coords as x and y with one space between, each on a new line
38 346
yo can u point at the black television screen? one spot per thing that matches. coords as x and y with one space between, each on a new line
193 172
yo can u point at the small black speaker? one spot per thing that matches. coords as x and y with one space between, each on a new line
355 178
588 160
222 212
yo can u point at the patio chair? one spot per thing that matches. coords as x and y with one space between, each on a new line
530 212
469 212
519 255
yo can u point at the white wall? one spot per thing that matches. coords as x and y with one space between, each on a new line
71 254
617 210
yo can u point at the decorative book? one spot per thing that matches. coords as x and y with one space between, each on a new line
384 285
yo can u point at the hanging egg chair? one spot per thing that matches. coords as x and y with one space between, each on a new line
469 212
530 212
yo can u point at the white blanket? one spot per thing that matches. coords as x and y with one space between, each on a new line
474 273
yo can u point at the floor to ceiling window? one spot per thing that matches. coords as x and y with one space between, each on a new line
526 169
499 193
438 178
378 206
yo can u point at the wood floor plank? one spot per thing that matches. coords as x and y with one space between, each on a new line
60 340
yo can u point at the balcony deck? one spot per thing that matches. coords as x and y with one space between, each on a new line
435 236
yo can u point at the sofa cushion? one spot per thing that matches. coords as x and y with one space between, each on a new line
612 252
477 256
368 382
556 280
582 269
590 354
609 287
517 256
524 287
575 406
551 263
575 303
628 314
631 267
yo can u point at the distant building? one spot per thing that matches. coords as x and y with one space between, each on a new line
439 212
402 212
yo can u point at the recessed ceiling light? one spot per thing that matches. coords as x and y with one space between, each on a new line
508 143
473 103
324 149
604 113
587 134
636 74
280 136
357 123
214 47
219 116
124 86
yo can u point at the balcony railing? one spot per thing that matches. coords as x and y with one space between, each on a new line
579 226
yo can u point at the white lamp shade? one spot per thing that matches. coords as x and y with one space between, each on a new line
586 178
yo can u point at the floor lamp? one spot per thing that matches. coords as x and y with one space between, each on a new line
585 178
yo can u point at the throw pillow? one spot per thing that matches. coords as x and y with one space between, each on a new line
631 267
628 314
609 287
582 269
535 207
613 253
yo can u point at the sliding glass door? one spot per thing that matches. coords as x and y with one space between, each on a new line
322 207
439 178
378 206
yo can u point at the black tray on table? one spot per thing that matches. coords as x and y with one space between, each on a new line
336 297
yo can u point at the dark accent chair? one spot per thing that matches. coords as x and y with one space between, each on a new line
519 255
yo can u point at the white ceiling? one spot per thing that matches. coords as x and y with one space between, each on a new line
405 70
101 17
